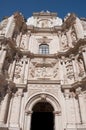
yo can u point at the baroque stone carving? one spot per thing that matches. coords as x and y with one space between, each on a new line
44 72
81 67
64 42
18 70
22 45
69 69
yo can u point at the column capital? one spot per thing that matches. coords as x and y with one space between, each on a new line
19 92
66 93
57 113
27 112
78 91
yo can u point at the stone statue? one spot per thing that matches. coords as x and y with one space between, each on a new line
81 67
18 70
73 36
64 42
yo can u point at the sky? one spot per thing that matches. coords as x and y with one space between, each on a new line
27 7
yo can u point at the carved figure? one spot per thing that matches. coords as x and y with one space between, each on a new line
55 72
18 70
22 45
73 36
81 67
64 42
32 72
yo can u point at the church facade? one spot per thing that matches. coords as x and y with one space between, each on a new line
43 71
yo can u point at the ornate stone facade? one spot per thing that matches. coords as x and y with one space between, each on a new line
43 63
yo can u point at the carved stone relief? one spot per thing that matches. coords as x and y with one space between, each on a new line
64 42
69 70
73 36
22 45
81 67
41 70
17 73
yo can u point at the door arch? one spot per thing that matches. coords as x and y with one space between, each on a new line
50 103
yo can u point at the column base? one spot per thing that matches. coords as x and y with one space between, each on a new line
3 127
76 127
14 128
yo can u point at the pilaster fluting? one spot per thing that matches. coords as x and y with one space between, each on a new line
16 108
81 105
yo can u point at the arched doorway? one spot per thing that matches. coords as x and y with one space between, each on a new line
42 116
46 105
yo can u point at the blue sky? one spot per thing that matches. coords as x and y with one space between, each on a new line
27 7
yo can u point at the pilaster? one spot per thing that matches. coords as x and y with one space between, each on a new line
15 110
81 105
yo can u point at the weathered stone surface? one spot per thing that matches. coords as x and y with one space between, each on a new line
43 68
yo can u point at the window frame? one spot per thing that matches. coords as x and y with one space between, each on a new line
44 49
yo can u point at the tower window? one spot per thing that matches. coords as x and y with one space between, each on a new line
44 49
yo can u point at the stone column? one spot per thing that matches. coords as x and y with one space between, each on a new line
28 120
15 110
2 59
26 70
66 94
79 29
81 105
61 71
23 69
64 70
68 34
58 123
60 42
84 57
27 41
4 108
12 70
75 69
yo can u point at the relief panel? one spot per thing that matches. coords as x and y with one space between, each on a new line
40 70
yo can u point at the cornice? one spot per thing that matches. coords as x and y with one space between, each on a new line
44 30
43 81
80 83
